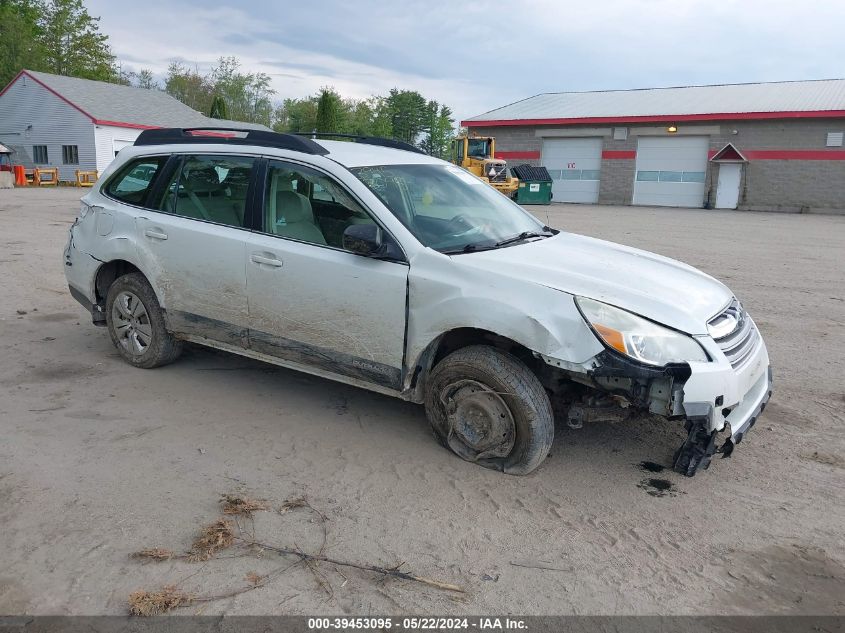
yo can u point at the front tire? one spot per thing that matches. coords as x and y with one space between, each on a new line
136 323
488 408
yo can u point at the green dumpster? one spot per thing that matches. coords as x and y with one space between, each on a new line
535 185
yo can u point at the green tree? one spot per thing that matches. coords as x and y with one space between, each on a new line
218 108
248 96
146 80
359 116
439 130
296 115
330 112
382 118
408 109
20 44
72 42
187 85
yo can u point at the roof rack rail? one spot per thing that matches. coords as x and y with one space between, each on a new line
367 140
226 136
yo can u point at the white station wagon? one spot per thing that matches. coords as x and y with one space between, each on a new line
375 265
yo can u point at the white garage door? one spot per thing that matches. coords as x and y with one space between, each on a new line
575 167
670 171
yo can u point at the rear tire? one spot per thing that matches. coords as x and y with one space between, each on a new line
136 325
487 407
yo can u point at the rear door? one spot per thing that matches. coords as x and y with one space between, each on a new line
311 302
194 243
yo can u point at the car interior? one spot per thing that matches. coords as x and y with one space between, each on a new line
211 188
307 206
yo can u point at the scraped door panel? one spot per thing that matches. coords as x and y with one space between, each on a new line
198 271
326 308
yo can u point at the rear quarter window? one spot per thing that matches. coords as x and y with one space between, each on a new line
133 182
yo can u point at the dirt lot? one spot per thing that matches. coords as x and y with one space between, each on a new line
98 459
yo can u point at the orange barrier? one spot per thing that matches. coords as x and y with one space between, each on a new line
30 175
20 175
51 180
85 178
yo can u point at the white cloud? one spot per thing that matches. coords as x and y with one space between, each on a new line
476 56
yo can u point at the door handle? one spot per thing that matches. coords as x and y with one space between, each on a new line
156 235
267 261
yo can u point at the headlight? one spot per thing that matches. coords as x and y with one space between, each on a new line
637 337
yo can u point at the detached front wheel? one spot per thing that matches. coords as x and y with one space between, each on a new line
487 407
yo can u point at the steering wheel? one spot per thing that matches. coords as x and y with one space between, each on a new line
462 220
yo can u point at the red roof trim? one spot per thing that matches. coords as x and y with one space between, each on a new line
9 85
662 118
136 126
728 154
49 89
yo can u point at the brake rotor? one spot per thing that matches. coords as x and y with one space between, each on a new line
481 425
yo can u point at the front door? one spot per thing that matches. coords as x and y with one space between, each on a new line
727 188
194 243
313 303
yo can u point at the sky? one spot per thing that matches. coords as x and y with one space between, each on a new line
478 56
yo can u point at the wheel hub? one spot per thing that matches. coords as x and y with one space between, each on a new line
131 323
480 423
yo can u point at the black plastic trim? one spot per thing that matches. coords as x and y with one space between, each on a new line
259 138
379 141
613 363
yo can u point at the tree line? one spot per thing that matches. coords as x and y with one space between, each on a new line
61 37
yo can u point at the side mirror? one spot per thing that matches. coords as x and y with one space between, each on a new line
363 239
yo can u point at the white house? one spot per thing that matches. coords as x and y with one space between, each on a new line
70 123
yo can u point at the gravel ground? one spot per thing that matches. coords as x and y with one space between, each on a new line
98 460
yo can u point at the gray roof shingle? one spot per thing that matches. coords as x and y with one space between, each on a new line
785 96
114 103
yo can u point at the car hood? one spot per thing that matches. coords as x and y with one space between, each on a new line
656 287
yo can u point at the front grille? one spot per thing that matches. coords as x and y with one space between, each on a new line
500 169
734 333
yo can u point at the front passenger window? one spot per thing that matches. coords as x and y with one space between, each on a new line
210 188
303 204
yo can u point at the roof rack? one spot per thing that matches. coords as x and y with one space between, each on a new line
226 136
366 140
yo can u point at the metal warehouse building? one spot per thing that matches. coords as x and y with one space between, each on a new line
70 123
764 146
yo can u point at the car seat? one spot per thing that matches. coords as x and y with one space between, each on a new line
292 216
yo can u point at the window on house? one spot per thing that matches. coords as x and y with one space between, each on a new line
39 154
70 154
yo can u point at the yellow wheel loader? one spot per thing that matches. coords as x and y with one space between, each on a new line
477 156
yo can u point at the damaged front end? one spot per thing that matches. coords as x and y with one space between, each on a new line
613 388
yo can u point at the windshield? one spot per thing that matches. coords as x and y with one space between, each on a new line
479 148
447 208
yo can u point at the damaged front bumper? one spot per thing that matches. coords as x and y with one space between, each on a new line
703 442
711 398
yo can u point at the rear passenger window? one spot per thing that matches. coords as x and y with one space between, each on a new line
134 181
211 188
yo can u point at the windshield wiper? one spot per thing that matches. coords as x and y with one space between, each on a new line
546 232
468 248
